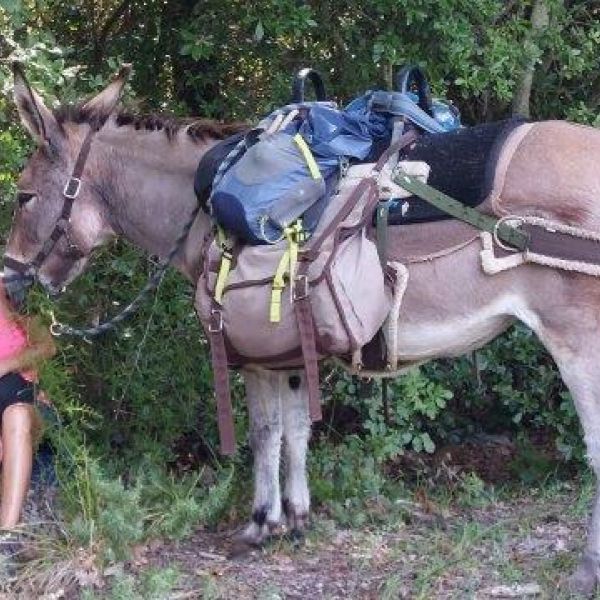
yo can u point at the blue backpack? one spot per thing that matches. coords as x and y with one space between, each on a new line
271 179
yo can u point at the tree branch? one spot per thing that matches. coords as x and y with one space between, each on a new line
540 19
107 26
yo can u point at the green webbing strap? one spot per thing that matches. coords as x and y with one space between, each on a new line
509 235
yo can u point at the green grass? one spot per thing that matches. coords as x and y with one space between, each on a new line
436 544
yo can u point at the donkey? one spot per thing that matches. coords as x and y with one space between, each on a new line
137 183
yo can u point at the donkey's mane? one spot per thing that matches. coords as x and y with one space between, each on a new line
197 129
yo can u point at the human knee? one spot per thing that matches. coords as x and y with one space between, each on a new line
17 420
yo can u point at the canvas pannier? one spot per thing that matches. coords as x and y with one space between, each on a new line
338 269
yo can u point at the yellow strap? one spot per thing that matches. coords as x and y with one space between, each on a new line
293 234
221 237
225 266
224 269
308 156
287 263
278 287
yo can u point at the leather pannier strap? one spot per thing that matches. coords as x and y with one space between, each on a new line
405 140
306 329
383 208
302 304
218 354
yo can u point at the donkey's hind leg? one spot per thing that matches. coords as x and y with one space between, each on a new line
577 354
296 433
264 406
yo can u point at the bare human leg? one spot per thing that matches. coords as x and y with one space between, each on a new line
17 456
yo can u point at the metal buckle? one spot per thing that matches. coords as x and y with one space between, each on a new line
512 221
56 328
72 188
300 293
212 328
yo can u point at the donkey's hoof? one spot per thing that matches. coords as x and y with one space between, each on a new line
583 582
244 543
297 526
254 536
297 520
297 537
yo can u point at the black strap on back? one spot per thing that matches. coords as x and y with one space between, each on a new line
410 76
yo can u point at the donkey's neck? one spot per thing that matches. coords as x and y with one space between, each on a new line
148 185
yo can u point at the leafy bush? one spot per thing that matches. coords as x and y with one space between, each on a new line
511 385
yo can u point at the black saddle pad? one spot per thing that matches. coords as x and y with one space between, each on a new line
209 164
463 163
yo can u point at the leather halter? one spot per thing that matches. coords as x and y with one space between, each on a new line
28 270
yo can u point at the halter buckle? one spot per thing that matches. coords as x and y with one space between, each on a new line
72 188
56 328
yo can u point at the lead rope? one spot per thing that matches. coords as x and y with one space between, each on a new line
117 410
57 328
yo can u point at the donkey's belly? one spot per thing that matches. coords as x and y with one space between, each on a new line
451 337
451 307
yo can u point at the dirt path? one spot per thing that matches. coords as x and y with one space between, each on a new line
462 539
521 546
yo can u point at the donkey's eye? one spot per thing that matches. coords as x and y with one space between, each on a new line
24 197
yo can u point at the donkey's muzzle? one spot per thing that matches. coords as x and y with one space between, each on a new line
16 285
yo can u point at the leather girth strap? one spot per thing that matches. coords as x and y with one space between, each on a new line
301 297
383 207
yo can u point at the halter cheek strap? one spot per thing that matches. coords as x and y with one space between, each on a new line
27 270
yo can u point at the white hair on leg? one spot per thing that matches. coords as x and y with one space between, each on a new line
579 370
296 433
264 405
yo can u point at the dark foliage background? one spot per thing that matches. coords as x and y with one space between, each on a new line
136 406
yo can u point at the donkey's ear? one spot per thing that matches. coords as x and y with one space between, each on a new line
35 116
102 105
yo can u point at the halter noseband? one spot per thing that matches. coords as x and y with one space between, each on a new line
28 270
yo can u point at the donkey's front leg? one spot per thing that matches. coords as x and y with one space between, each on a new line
296 433
264 405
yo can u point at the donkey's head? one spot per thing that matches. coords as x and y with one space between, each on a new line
60 216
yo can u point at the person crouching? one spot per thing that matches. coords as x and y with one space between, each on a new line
24 343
